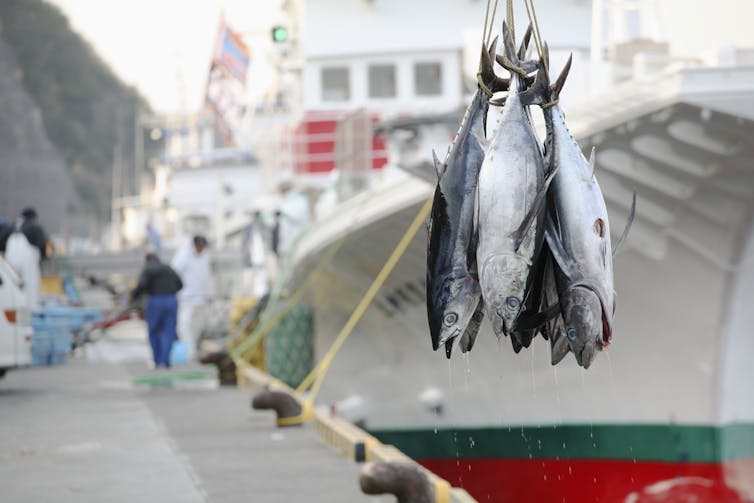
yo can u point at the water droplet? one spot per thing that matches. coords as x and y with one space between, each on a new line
435 431
558 477
469 467
570 472
594 444
564 445
530 456
471 442
539 444
544 477
595 480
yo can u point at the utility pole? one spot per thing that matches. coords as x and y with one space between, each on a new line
138 150
117 183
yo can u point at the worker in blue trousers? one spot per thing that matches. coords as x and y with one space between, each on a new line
161 283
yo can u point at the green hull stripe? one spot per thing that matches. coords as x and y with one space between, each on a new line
672 443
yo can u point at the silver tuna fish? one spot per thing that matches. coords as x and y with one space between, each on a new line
510 194
454 304
578 233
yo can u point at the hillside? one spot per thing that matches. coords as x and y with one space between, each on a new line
81 103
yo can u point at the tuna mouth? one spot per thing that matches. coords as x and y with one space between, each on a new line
452 336
586 355
499 325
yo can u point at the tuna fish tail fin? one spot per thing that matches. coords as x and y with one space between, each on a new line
539 92
487 79
558 85
525 42
510 60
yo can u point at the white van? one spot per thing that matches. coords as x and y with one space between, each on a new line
15 321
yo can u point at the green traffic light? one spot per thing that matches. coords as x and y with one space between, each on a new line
279 34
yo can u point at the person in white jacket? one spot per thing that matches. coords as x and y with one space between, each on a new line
193 265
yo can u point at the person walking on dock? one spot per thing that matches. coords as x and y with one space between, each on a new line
194 265
161 283
25 247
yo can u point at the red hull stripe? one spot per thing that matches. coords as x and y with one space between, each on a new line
591 481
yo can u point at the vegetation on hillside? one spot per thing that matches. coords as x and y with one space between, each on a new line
84 106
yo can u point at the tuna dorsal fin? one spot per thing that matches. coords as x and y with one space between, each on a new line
488 79
627 228
439 165
536 209
525 42
558 86
592 159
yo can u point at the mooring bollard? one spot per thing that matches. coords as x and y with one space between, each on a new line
226 367
404 480
284 405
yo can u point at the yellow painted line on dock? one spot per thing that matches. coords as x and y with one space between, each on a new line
348 439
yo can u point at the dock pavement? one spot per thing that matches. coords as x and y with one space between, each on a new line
120 432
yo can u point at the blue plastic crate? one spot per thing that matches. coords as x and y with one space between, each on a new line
52 339
75 317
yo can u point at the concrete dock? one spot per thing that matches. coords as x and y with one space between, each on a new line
93 432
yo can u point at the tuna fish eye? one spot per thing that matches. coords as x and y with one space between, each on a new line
450 319
512 303
572 334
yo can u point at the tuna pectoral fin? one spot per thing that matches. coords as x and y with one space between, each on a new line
558 346
469 336
534 211
532 321
556 246
627 228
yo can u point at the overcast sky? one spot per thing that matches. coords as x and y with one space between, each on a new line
163 47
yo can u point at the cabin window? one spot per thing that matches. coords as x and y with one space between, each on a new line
428 79
382 81
335 84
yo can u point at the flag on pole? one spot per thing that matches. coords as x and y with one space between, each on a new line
226 83
231 53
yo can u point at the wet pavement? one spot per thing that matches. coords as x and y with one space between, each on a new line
93 431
